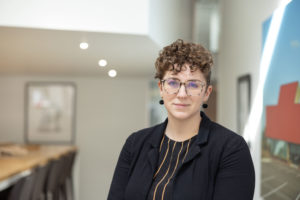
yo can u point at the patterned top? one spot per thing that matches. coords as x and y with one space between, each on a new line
171 157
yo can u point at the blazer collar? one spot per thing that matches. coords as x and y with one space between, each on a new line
157 134
202 136
203 132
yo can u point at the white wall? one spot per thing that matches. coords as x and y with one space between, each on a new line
202 23
239 53
107 111
170 20
117 16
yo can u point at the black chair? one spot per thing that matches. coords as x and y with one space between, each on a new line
62 179
4 193
23 189
67 180
51 189
40 182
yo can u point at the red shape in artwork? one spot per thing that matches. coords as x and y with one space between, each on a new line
283 120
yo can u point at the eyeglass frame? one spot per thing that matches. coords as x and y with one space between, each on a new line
182 83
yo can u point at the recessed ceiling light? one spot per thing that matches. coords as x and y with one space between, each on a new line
84 45
102 63
112 73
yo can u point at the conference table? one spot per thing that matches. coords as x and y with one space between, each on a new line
17 161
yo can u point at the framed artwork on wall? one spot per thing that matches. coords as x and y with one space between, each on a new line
243 101
50 112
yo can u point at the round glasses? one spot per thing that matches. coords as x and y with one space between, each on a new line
192 87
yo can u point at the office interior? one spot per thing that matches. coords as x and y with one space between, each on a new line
39 43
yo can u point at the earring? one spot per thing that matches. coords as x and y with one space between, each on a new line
204 105
161 102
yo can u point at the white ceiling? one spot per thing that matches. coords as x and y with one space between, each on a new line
56 52
32 51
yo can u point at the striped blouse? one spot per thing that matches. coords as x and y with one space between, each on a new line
171 157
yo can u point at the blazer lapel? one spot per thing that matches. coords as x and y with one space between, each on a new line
152 156
201 139
154 142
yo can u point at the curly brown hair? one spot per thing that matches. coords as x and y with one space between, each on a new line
174 56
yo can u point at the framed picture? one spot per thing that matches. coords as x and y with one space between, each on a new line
243 101
50 112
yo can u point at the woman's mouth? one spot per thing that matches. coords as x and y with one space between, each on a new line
180 105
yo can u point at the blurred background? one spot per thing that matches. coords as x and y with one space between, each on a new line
64 41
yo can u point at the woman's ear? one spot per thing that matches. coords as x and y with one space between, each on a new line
160 88
207 93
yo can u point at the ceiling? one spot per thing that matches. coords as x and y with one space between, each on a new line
31 51
56 52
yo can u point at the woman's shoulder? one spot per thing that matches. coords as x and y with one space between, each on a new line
225 137
143 134
218 134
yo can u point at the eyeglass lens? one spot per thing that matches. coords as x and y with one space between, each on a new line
192 87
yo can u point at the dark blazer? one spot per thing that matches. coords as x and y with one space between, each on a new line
217 167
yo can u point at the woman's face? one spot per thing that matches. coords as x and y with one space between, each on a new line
181 105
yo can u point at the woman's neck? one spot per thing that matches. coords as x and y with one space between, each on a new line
181 130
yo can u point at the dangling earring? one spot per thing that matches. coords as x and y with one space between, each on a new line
161 102
204 105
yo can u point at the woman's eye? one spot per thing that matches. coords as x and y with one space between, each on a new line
193 85
173 83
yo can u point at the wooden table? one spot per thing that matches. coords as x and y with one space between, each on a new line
14 167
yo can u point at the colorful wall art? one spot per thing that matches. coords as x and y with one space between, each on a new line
280 152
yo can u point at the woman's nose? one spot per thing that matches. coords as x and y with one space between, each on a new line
182 91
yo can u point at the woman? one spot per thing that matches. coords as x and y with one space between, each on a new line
187 156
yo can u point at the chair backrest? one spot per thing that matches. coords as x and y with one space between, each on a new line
66 186
60 170
69 159
71 164
23 189
40 182
53 177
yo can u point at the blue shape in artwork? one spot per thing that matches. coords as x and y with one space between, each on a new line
285 63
